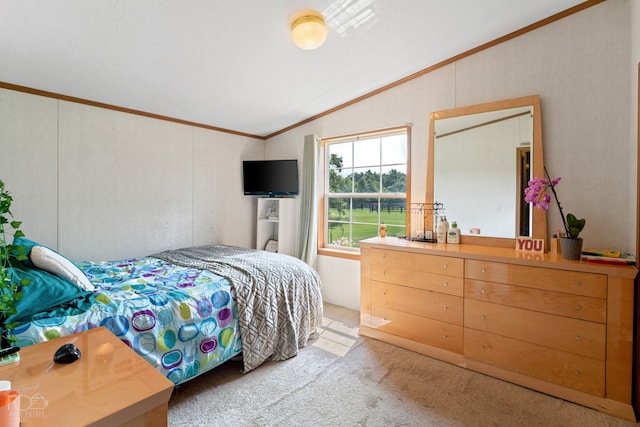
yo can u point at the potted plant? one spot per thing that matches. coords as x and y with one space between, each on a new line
10 288
536 194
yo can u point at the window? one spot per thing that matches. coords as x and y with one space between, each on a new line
366 183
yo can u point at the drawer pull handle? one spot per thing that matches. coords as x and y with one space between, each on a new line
446 337
445 284
578 283
483 347
483 271
444 266
445 308
483 316
483 292
577 337
577 372
578 308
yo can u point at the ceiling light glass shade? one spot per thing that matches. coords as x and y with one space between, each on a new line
308 30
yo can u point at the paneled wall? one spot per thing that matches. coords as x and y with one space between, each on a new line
580 67
99 184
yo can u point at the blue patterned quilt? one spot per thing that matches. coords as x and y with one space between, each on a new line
183 321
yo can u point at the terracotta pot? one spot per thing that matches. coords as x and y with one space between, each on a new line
571 248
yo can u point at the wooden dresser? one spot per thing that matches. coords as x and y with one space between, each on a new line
564 328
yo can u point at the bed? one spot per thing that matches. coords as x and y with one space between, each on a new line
185 311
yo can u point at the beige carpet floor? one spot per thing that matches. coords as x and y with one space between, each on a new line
342 379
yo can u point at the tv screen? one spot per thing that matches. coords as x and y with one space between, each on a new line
270 178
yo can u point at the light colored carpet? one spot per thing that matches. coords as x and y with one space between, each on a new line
346 380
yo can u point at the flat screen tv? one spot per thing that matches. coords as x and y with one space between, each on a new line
270 178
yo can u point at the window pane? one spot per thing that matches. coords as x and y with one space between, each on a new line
365 210
340 155
366 152
339 234
339 209
340 181
394 179
363 231
366 218
394 149
393 212
338 224
366 180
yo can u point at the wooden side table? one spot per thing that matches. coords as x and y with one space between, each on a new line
110 385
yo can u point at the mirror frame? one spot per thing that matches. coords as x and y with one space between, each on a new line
539 220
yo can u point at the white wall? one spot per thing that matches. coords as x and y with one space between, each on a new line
580 68
98 184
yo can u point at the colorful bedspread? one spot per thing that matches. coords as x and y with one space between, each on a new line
278 296
183 321
187 311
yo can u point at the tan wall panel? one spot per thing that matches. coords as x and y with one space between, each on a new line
29 162
125 183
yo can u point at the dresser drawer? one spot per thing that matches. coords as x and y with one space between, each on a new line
557 332
555 366
571 305
574 282
434 305
418 279
417 328
418 262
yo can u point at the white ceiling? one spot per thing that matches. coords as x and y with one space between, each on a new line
231 64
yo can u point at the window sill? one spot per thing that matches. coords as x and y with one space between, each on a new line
337 253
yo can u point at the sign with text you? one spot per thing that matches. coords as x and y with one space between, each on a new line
527 244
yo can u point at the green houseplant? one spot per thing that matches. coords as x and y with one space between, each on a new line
10 288
536 194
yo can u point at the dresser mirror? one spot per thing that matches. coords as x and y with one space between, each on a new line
481 158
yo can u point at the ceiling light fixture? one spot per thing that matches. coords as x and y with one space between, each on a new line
308 30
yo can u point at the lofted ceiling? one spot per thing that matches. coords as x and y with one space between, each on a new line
231 64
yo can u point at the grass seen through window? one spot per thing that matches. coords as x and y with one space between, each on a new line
364 221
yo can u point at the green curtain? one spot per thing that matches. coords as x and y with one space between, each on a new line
308 244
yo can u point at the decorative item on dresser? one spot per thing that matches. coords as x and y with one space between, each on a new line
535 193
571 248
537 320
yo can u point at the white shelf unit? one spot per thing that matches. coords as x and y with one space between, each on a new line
279 228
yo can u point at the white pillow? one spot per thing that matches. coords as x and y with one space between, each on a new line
54 263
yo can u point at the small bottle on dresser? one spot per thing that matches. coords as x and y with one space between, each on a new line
453 235
441 230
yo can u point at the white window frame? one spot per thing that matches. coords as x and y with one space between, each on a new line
325 247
